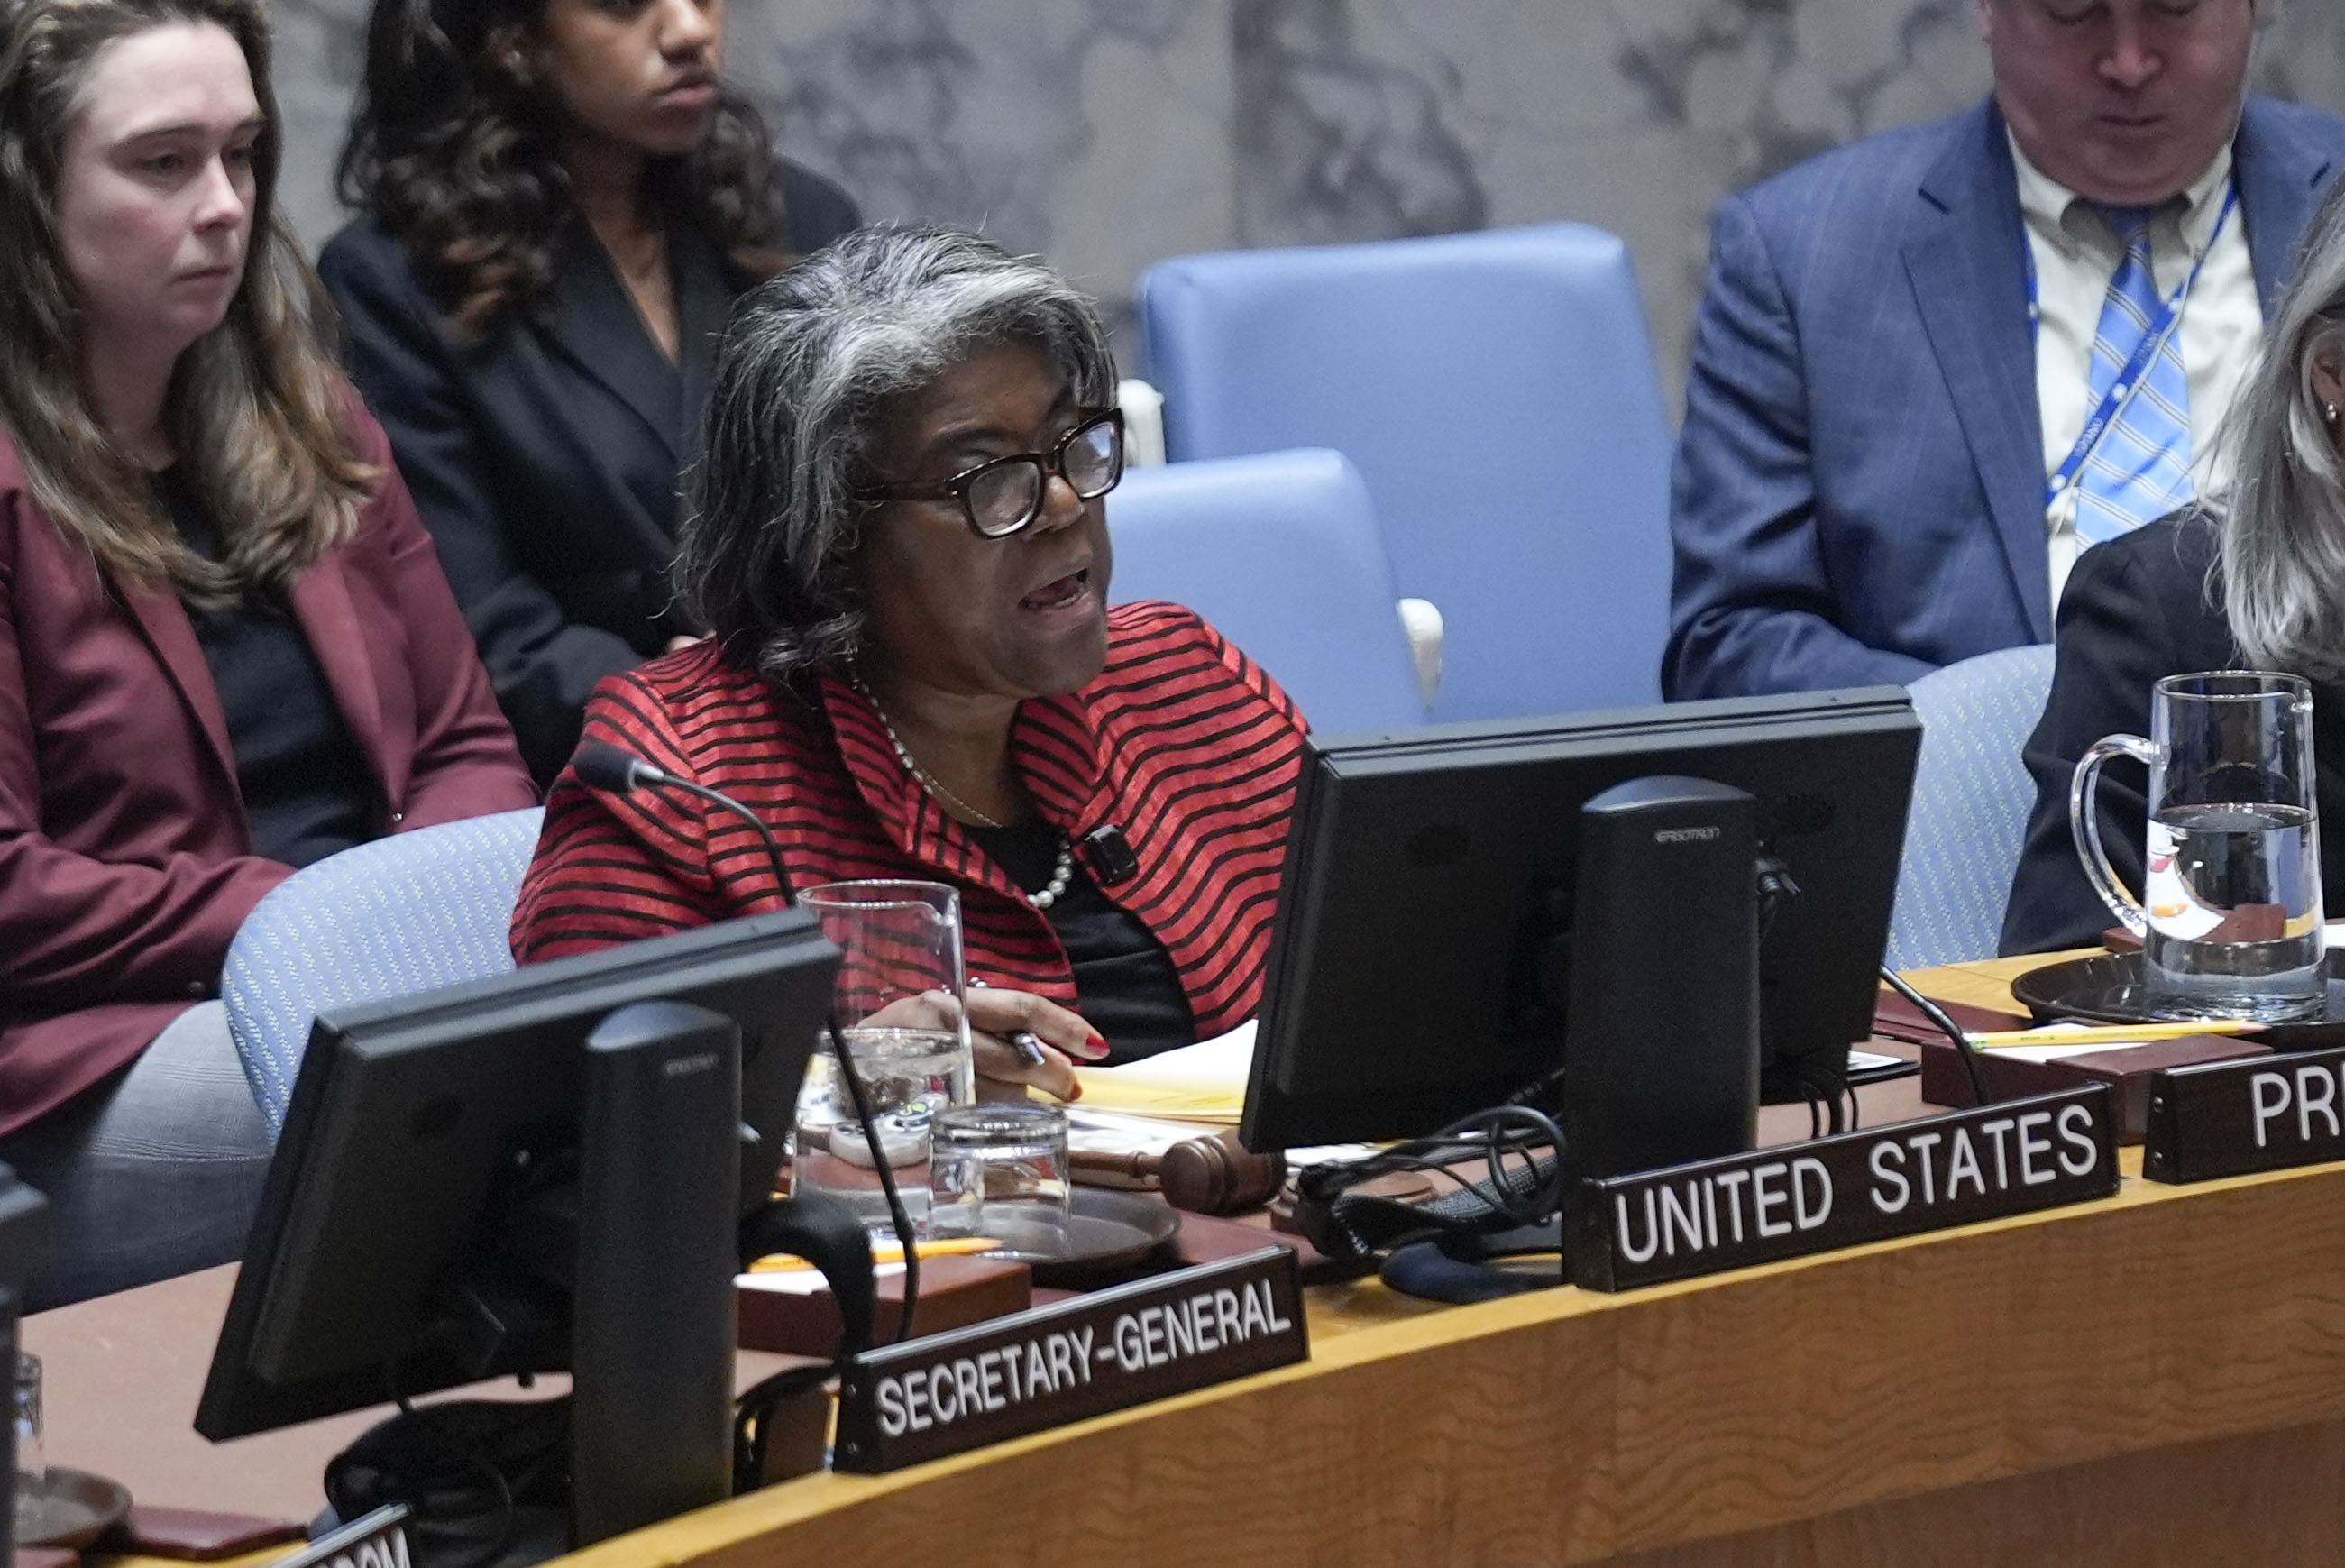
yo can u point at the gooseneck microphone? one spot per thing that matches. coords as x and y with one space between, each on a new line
600 765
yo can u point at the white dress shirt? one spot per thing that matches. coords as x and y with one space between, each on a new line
2076 254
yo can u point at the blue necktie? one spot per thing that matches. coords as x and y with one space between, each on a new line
2140 470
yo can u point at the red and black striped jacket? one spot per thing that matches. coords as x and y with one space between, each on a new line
1182 742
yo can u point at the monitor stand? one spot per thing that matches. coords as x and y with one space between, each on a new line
652 1317
626 1240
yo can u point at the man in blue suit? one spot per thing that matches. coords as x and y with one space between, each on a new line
1913 393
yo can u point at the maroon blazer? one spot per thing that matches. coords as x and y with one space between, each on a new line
125 860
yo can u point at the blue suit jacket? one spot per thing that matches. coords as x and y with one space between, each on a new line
1859 492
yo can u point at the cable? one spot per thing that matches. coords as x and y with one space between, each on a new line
598 765
898 1217
1947 1027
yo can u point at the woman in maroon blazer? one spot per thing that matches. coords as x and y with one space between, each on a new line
225 646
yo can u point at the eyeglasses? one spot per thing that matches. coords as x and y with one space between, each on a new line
1004 495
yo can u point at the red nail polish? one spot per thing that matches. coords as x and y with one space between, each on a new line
1098 1045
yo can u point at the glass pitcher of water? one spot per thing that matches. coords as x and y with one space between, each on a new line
2230 918
899 1008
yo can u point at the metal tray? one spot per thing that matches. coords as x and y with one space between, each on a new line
76 1509
2109 988
1109 1236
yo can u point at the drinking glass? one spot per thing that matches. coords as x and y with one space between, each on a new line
2230 918
1000 1170
30 1489
899 1008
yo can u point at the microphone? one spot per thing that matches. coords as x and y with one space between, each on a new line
600 765
1110 855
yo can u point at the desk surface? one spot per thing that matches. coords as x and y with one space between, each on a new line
2022 1391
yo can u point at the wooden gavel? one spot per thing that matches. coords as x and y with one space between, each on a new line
1215 1175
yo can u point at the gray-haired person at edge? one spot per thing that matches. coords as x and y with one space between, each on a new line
2253 578
561 201
1889 459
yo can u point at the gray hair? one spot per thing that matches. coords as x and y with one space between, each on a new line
2283 532
808 369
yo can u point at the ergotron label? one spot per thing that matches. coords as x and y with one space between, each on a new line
903 1404
2231 1118
2010 1158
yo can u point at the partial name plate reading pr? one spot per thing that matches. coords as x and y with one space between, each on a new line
2235 1118
906 1404
2013 1156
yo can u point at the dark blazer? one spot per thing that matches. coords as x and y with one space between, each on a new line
125 864
1859 492
2136 609
545 459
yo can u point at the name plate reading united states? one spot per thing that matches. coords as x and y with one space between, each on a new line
2010 1158
903 1404
2234 1118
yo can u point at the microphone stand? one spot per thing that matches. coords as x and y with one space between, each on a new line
599 764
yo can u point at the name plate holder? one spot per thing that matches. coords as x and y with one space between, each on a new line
2013 1156
942 1394
376 1540
2237 1118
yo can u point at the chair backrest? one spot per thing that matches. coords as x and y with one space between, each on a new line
1498 390
407 914
1281 553
1972 795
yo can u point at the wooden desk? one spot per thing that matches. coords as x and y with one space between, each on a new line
2155 1378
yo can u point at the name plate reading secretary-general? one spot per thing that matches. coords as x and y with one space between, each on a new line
2010 1158
903 1404
2235 1118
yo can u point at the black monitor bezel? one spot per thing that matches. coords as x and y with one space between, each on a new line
1607 747
569 994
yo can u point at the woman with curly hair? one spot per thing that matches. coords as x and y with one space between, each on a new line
561 201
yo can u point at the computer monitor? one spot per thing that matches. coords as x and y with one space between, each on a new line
409 1122
1429 878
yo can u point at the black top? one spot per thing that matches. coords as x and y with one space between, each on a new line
308 789
2140 607
545 459
1125 985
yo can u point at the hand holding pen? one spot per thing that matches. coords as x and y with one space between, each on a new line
1022 1039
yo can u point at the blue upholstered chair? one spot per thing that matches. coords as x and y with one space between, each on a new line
1972 796
1281 553
407 913
1498 390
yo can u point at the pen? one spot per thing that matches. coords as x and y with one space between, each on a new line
883 1252
1025 1042
2112 1033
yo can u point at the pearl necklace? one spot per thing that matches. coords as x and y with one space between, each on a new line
1062 874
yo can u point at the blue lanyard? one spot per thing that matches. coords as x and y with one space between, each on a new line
2129 381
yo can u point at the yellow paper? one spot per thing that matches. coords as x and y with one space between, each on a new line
1202 1083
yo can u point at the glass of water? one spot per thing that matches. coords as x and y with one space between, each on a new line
999 1170
30 1493
2230 914
898 1007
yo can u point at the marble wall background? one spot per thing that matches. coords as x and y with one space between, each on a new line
1107 134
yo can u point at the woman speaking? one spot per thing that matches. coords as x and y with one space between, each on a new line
562 202
900 542
2258 581
226 647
